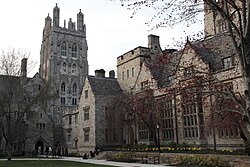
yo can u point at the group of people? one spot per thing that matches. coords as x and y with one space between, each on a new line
57 151
91 153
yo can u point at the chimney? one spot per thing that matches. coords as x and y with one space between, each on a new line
153 41
112 74
24 67
100 73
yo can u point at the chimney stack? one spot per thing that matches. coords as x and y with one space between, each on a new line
112 74
24 67
100 73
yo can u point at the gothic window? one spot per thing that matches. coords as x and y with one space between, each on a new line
70 120
143 131
188 72
123 75
86 113
74 89
222 26
227 62
73 69
229 132
76 119
86 134
64 67
40 125
74 101
63 49
63 88
69 137
127 73
145 85
74 50
190 117
168 120
86 94
133 72
62 100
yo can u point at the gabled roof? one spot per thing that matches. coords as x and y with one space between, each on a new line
214 49
104 86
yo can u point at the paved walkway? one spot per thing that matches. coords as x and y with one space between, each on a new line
111 163
95 161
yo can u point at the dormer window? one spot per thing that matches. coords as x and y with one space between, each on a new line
222 25
63 49
74 50
227 62
188 72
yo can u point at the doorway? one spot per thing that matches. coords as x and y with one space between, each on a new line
39 144
131 136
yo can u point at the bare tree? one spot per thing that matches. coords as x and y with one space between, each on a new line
16 100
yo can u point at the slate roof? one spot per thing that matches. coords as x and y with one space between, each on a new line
104 86
214 49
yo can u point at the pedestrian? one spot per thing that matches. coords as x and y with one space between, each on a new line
39 152
47 151
54 151
59 151
66 151
50 150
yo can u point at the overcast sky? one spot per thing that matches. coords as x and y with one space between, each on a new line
110 30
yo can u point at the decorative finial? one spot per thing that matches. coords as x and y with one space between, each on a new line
80 10
56 4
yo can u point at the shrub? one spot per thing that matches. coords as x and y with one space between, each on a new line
201 161
120 157
74 154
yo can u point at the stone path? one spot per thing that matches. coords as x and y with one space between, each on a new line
95 161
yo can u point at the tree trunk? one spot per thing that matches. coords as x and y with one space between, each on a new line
8 149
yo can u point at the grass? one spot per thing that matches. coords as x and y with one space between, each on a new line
46 163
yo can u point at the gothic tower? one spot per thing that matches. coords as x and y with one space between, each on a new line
214 23
63 61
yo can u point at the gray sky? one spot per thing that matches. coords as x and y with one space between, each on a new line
110 30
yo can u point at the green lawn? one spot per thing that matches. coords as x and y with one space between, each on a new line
46 163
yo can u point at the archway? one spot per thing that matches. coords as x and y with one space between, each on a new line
38 144
131 136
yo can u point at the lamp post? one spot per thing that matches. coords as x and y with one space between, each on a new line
158 136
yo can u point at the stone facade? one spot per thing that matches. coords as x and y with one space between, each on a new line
84 115
64 64
97 120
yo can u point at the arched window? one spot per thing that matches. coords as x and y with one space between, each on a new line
127 73
63 49
73 69
123 75
63 88
64 67
74 89
74 50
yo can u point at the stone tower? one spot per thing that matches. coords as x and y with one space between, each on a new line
63 62
213 22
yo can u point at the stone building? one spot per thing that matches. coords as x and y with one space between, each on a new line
98 123
85 110
63 64
63 68
30 125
